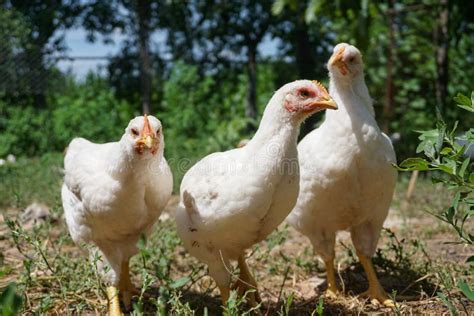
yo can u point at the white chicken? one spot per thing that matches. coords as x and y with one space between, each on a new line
113 193
234 199
347 178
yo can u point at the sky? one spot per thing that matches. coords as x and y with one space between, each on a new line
78 46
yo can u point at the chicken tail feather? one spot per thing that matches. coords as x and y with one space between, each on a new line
189 203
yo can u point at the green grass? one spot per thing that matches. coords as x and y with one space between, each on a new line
54 276
28 180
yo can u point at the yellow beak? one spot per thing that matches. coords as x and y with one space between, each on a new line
148 141
329 104
148 138
336 60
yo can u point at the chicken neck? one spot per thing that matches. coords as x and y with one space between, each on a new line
354 101
274 142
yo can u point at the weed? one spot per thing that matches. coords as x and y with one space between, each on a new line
285 309
445 155
320 307
10 301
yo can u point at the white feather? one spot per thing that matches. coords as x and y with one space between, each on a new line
111 195
347 178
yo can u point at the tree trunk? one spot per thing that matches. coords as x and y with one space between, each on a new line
389 95
305 63
441 39
251 106
304 53
143 10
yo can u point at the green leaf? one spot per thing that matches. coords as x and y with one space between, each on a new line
278 6
180 282
461 99
453 130
471 177
446 169
470 260
445 151
464 102
472 97
415 164
460 150
456 199
320 307
466 290
464 166
465 107
470 136
10 301
449 214
446 302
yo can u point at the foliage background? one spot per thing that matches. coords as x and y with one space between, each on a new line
211 82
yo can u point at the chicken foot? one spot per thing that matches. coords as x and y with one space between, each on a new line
375 291
332 290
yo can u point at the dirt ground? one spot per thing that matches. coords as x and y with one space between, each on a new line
414 264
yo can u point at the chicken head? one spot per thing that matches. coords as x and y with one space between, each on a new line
145 135
308 97
346 61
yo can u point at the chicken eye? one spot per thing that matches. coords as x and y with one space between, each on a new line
352 59
134 132
304 94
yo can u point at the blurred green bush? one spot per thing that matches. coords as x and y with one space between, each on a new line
88 110
24 130
200 115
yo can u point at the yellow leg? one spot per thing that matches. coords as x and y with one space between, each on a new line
332 290
125 285
375 291
247 282
114 303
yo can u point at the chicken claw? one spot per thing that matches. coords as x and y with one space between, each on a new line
332 293
378 296
375 291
